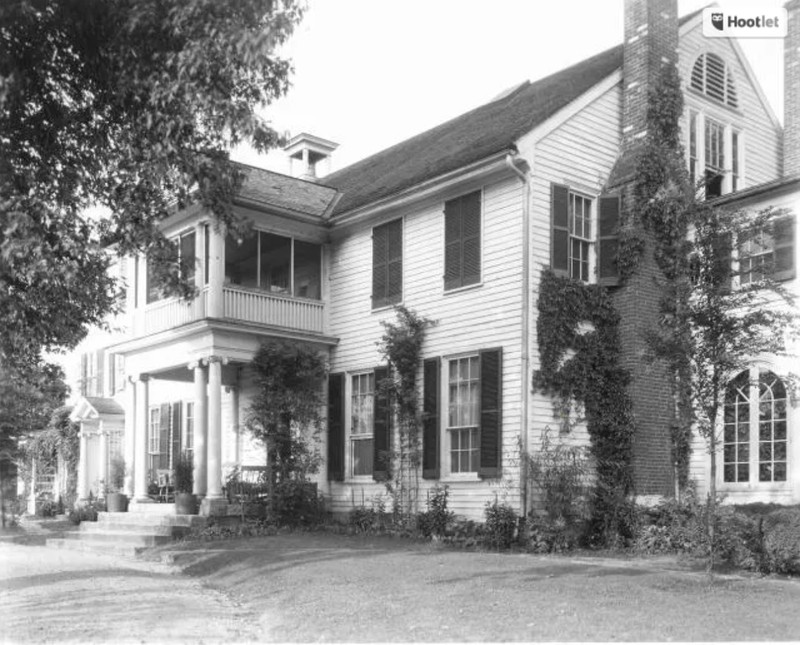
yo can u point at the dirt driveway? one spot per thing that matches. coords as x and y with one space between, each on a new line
325 588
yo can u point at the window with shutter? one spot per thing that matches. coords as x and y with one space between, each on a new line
336 427
608 240
381 428
491 401
572 233
387 264
176 433
362 424
462 241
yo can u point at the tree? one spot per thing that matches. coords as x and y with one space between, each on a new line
719 322
285 413
131 105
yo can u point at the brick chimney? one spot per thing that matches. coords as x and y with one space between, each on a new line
791 89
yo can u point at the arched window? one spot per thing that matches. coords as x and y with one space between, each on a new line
712 77
755 429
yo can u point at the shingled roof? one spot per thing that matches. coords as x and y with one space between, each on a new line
285 192
476 135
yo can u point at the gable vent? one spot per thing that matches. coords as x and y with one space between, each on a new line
712 77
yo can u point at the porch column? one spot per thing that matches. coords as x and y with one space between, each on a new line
130 430
216 272
32 491
83 475
140 449
214 481
103 461
237 448
200 428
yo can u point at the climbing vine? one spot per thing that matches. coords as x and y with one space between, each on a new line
401 346
585 367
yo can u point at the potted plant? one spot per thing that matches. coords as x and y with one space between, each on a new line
185 501
116 500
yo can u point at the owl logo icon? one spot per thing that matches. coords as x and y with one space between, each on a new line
716 20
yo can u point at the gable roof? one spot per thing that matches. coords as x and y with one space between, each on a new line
92 407
287 193
486 130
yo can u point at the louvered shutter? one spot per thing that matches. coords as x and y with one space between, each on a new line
336 427
163 436
387 264
430 418
608 241
452 244
471 239
381 429
784 248
723 247
177 417
559 218
491 413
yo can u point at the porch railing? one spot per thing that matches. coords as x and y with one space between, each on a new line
273 309
174 312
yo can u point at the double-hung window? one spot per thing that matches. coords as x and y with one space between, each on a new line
188 440
154 440
768 253
362 416
580 236
573 233
714 158
463 422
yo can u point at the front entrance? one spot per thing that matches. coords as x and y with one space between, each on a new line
169 433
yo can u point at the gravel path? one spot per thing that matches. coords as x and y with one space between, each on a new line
50 595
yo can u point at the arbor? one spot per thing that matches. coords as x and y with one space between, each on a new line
286 406
128 104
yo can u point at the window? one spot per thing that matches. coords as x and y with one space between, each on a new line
712 77
464 413
362 408
715 158
188 442
573 233
274 263
715 155
154 441
187 261
755 429
462 241
387 264
767 253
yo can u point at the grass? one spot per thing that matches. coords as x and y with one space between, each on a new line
318 587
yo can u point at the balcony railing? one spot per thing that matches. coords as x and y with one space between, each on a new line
245 305
273 309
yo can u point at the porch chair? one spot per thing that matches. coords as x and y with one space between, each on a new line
166 491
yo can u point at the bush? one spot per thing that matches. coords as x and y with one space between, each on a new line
546 535
780 543
501 525
434 521
46 508
85 513
297 503
363 519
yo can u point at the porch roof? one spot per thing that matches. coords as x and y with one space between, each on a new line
88 408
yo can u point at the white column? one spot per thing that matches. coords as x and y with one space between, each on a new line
216 272
130 435
214 481
83 475
237 435
32 491
140 459
103 461
200 428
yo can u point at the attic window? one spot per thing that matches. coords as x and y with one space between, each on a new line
712 77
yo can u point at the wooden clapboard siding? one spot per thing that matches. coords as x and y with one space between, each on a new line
762 140
479 317
580 153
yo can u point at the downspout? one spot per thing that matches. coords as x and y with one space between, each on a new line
525 355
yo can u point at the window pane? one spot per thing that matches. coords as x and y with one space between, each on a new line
276 258
241 261
307 270
780 472
363 453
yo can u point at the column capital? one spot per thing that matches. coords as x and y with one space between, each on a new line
215 359
194 365
143 378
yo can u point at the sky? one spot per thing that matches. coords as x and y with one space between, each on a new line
371 73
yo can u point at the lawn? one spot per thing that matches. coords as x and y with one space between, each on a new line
318 587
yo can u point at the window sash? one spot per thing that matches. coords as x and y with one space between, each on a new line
581 235
464 450
464 413
362 423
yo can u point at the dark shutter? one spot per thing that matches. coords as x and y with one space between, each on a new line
559 219
462 241
177 412
491 417
430 418
336 427
723 256
784 248
163 436
381 429
387 264
608 241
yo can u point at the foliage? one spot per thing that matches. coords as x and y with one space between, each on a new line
434 521
285 411
116 474
401 346
130 105
217 531
86 512
297 503
586 368
501 525
184 473
553 535
780 542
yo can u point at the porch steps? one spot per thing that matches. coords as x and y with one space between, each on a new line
127 534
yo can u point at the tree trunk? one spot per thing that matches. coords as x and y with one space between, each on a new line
712 499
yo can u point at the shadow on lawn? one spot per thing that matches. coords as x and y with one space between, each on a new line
45 579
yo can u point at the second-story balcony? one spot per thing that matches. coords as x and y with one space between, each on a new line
265 279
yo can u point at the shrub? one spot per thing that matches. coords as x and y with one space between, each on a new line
501 525
46 508
363 519
434 521
780 545
184 473
84 513
297 503
547 535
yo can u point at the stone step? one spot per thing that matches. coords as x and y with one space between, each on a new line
119 537
145 519
134 529
108 548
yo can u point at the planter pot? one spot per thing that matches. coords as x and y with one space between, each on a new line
185 504
117 503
